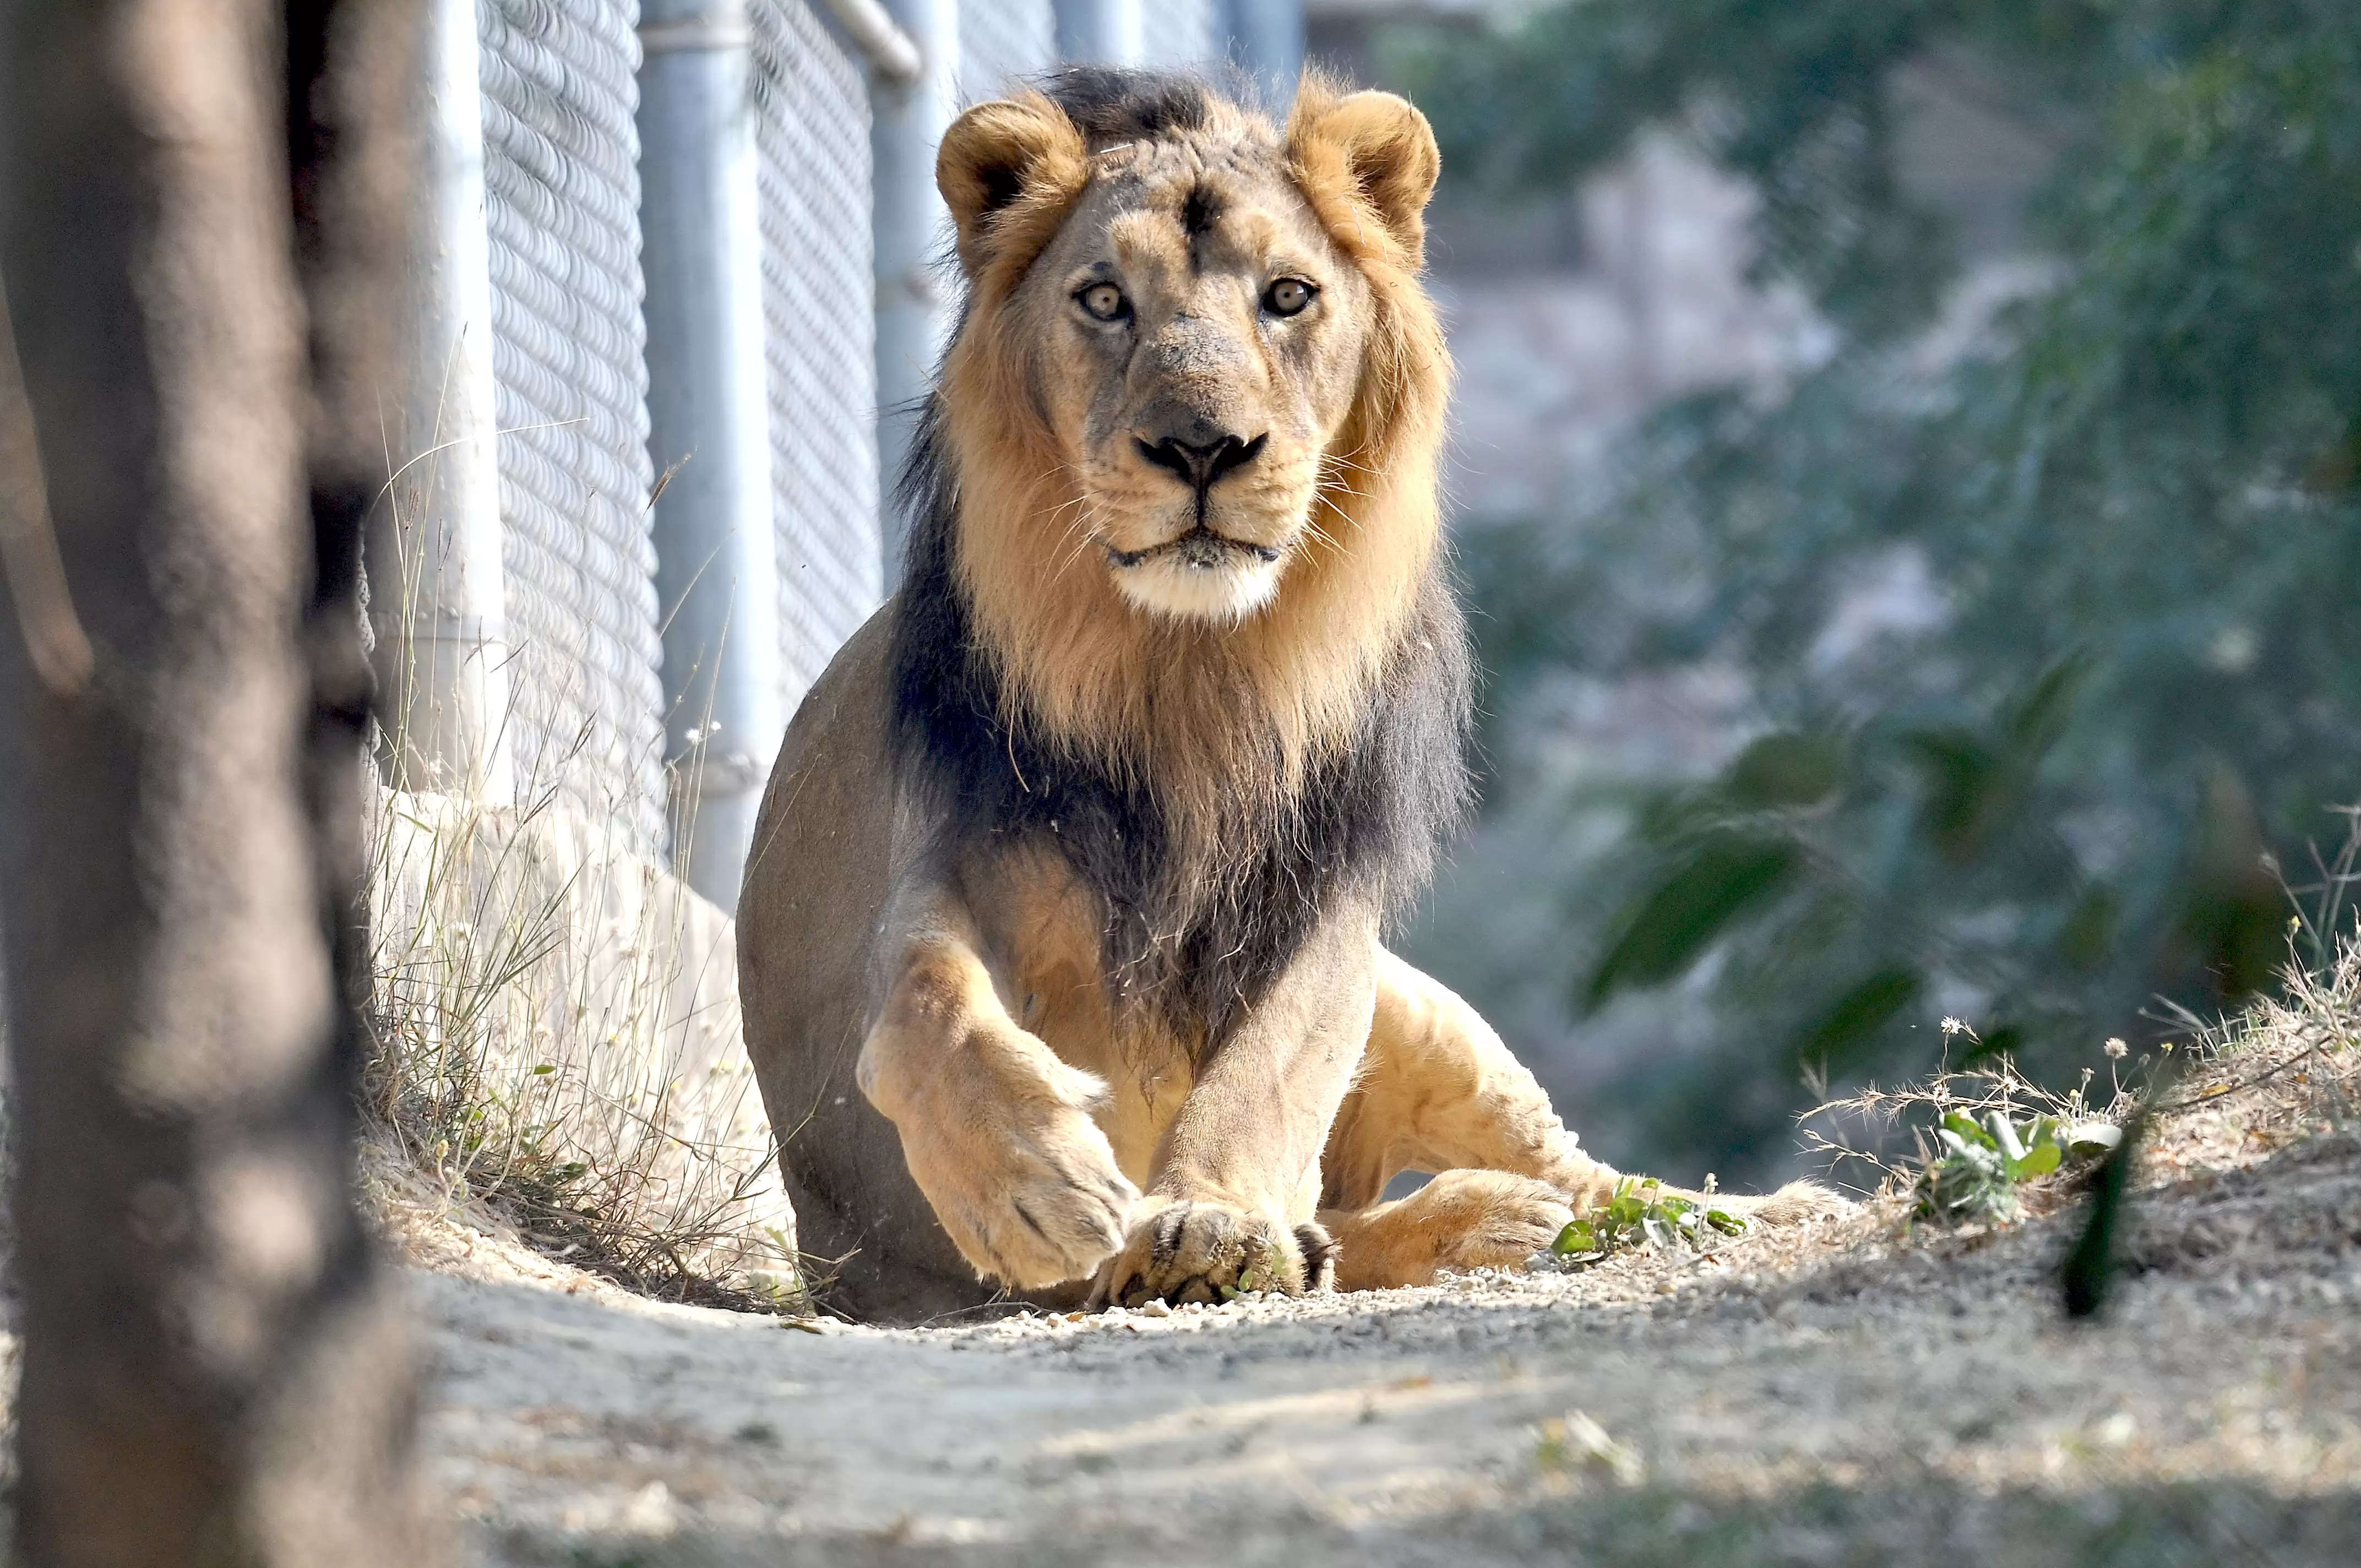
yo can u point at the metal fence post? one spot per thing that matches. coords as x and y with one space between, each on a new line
708 414
1267 39
1101 32
910 227
436 588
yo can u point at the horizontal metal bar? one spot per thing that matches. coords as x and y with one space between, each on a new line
891 53
690 33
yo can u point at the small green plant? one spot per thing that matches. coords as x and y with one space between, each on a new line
1983 1163
1642 1215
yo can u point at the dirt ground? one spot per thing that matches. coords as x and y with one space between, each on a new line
1862 1394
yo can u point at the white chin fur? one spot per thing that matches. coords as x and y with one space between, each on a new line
1229 590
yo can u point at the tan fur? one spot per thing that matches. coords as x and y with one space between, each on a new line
1438 1091
1461 1220
930 1018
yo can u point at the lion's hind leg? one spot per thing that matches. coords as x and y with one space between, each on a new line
1790 1206
1461 1220
1438 1091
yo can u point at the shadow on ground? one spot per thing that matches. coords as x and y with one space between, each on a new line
1926 1520
1887 1399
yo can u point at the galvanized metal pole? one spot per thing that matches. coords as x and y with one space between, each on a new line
708 413
1101 32
437 587
1267 39
911 230
891 53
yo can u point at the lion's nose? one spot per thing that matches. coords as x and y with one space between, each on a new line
1201 463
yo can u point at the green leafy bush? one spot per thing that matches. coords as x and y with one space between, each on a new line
1982 1162
2136 502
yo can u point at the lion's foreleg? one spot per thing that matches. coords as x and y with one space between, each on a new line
1231 1201
997 1130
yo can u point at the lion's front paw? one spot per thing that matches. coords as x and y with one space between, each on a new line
1029 1191
1461 1220
1180 1251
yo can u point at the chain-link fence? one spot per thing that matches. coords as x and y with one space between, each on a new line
1001 42
561 208
561 204
1178 34
812 136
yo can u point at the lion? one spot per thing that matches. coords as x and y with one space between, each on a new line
1060 942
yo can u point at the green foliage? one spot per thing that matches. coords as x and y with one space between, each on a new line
1642 1215
1983 1163
2136 503
1716 879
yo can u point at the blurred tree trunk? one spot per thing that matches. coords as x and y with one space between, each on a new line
197 249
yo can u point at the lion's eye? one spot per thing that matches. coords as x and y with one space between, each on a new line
1288 297
1104 301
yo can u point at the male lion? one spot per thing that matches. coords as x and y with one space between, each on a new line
1059 944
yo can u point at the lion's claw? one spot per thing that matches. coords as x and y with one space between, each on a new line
1181 1252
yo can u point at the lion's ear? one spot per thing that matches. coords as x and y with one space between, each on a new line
1379 148
1007 171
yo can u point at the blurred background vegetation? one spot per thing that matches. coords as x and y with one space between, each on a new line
1966 621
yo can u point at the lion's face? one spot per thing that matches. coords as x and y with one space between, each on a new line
1197 344
1183 467
1204 329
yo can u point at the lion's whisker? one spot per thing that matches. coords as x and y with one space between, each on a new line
1075 528
1342 516
1081 530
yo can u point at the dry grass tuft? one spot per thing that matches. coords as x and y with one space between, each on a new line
2287 1069
557 1042
2227 1093
557 1057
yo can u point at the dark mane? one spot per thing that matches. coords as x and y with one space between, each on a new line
1368 819
1109 105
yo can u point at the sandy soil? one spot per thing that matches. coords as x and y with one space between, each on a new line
1857 1395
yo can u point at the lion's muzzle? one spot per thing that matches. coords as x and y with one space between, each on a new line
1200 548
